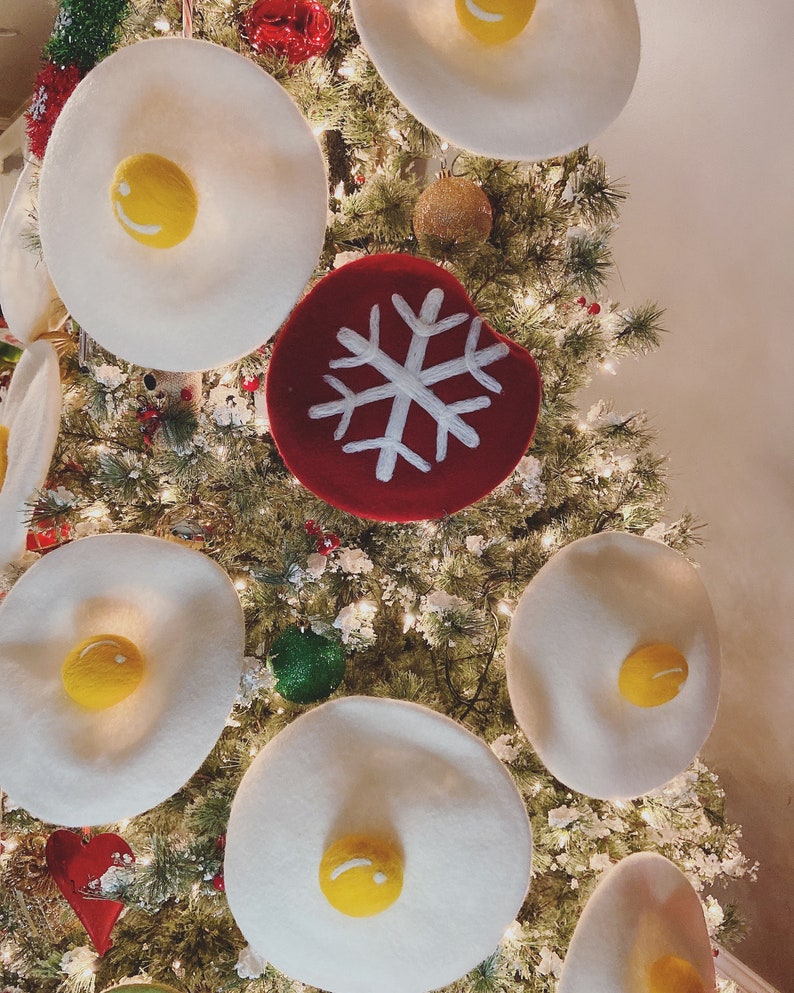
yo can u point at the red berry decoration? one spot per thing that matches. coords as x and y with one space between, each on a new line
594 309
219 882
391 398
150 419
297 29
251 383
52 88
328 543
77 864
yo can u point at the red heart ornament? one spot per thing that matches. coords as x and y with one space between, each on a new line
75 864
391 398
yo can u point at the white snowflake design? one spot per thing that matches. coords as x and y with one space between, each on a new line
62 22
38 107
410 383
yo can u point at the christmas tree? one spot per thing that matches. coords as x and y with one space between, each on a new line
356 595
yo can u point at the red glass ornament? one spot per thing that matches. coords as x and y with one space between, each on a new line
251 383
297 29
594 309
75 863
52 88
219 882
48 534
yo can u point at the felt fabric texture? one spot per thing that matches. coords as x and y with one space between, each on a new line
262 202
29 300
32 413
589 607
554 87
395 770
390 398
72 766
643 909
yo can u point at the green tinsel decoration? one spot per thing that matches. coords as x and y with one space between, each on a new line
85 32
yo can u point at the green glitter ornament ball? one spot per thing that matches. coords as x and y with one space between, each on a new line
308 666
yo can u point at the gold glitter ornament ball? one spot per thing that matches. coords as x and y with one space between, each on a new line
453 209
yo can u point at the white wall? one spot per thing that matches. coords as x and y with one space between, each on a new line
707 148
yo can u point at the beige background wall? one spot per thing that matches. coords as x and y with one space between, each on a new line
706 146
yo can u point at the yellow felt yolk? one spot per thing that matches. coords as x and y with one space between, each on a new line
154 200
3 454
494 21
102 671
652 675
361 876
670 974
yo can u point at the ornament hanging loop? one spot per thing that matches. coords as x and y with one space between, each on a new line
187 18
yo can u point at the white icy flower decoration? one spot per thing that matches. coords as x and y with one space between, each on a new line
230 407
61 496
528 471
550 963
561 817
656 532
116 878
476 544
316 565
110 376
600 862
513 935
255 680
79 961
354 561
714 915
504 750
600 415
250 964
439 602
345 258
355 623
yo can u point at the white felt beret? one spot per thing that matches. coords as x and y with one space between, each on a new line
554 87
591 606
71 766
29 300
380 767
262 202
32 413
643 910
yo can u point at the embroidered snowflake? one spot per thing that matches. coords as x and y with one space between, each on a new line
38 107
411 383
